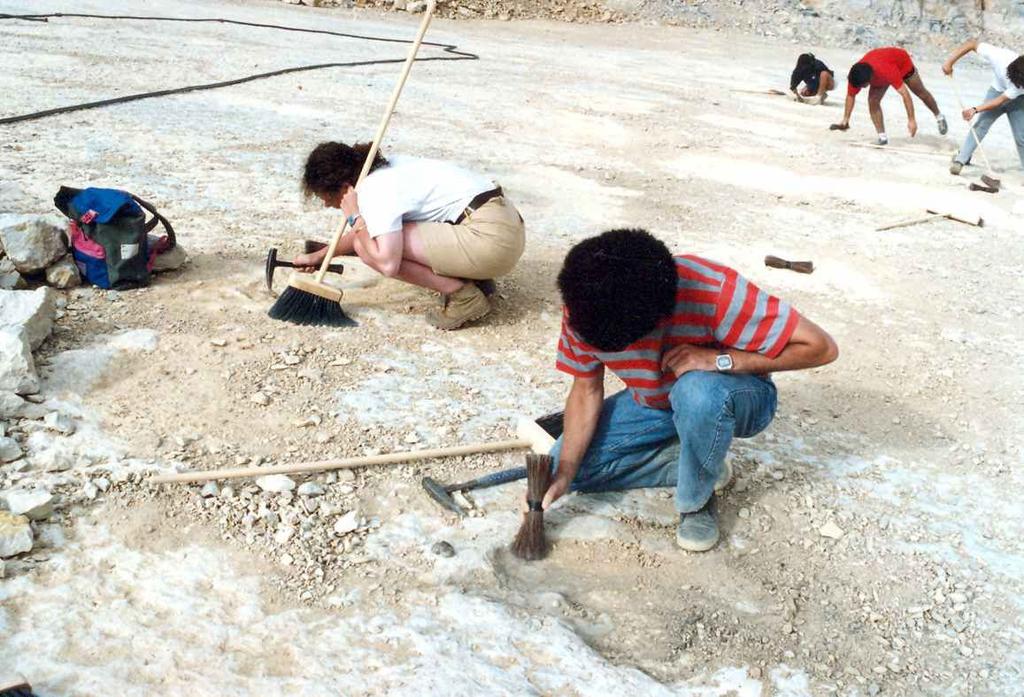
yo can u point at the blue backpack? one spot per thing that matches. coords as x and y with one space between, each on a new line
109 235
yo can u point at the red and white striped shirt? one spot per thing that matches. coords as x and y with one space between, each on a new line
715 306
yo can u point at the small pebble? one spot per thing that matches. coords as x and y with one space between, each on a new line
209 489
443 549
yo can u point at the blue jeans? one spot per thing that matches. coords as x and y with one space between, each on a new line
635 447
1014 110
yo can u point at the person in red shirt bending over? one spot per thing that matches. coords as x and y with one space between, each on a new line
881 69
696 344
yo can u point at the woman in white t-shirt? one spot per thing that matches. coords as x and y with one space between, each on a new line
427 222
1005 96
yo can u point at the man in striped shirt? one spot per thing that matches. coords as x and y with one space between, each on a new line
695 344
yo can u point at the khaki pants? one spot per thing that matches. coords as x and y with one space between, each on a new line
486 244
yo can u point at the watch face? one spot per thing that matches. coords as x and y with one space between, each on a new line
723 362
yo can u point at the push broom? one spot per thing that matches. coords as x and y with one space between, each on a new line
989 179
310 301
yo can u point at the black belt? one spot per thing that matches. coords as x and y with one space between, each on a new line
477 202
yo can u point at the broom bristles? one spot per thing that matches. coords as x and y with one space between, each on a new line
301 307
530 543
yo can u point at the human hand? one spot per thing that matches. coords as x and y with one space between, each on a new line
969 113
912 127
557 488
842 126
308 263
947 68
350 202
686 357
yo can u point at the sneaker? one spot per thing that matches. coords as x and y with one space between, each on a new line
698 532
943 126
464 305
955 167
883 140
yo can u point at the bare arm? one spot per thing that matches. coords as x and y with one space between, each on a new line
582 411
958 53
992 104
847 112
810 346
908 104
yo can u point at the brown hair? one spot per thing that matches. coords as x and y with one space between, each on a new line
332 166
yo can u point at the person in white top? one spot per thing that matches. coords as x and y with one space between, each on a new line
426 222
1005 96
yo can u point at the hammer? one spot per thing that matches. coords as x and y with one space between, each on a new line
273 264
442 493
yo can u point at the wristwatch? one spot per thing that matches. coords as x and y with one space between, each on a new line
723 362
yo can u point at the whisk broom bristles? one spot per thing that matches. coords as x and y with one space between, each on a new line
530 543
299 307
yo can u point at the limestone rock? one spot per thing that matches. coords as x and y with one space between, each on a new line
63 273
17 369
831 531
61 423
170 260
32 242
276 483
14 407
15 535
36 504
9 449
346 523
209 490
32 309
311 489
10 279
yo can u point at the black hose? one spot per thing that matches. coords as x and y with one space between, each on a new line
454 54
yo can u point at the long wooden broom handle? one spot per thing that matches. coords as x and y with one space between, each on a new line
970 124
346 463
406 68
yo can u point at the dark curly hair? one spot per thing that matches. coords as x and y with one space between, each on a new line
333 165
1015 71
805 60
617 287
860 75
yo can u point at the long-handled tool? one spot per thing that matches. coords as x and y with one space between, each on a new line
308 300
989 179
442 493
975 220
273 263
798 266
532 435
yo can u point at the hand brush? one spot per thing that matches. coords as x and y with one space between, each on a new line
530 543
310 301
798 266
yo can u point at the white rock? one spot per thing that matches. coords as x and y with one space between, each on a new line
416 6
310 489
14 407
173 258
17 369
61 423
90 491
346 523
227 492
275 482
101 483
345 475
3 569
63 273
15 534
32 309
284 533
34 504
209 489
10 279
260 398
9 449
32 242
831 530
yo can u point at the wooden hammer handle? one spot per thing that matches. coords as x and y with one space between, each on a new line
345 463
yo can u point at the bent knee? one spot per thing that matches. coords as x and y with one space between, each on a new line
700 394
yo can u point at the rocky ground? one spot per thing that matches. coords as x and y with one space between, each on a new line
870 545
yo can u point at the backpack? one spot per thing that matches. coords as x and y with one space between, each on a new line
109 235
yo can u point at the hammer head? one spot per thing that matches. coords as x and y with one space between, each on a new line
271 265
440 493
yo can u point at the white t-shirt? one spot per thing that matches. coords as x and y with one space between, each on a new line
1000 59
416 188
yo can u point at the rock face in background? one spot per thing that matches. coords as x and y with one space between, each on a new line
32 242
32 310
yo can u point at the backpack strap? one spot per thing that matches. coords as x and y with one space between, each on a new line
157 218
